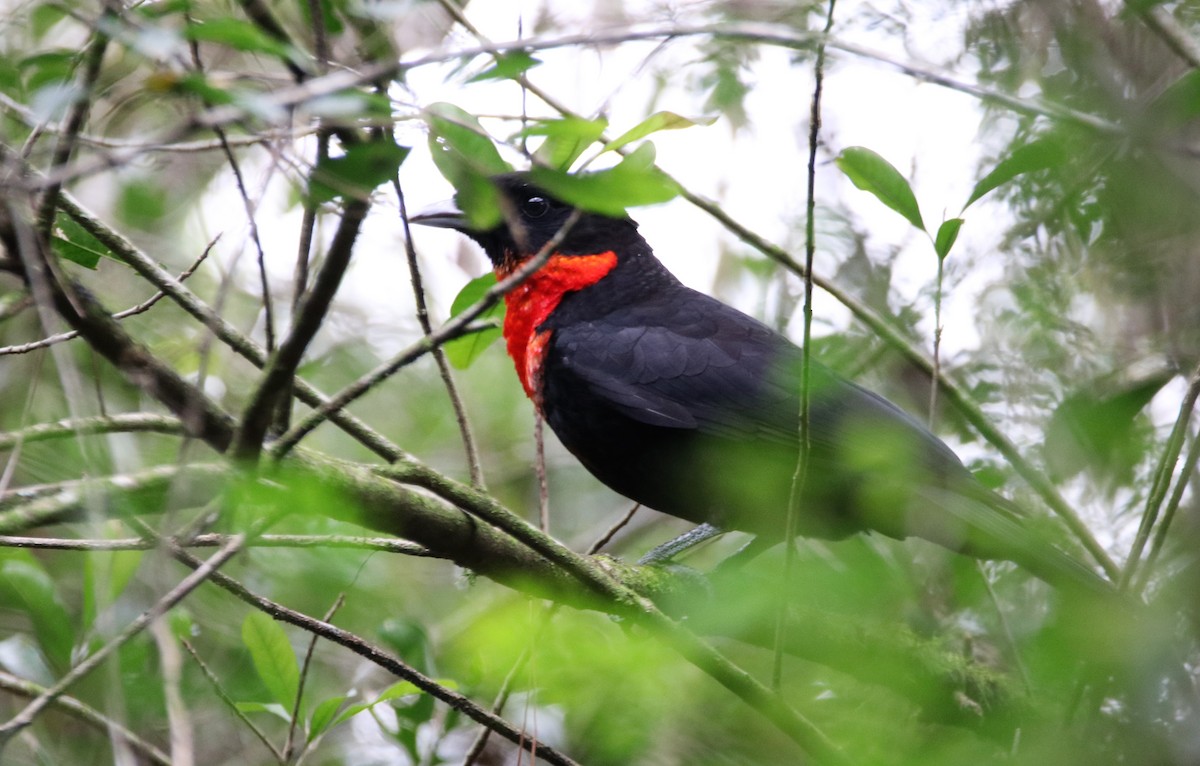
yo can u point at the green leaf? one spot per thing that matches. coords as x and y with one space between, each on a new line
357 172
72 242
74 253
465 155
141 203
323 716
1096 427
111 569
43 18
274 708
633 181
196 84
239 35
872 173
26 587
398 689
53 66
273 657
652 124
463 351
1041 154
566 139
508 66
1179 102
947 234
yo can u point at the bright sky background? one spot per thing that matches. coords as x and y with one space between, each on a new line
757 173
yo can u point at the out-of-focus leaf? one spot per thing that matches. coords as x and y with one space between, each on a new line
44 17
947 234
196 84
508 65
872 173
466 156
1096 428
1180 102
1041 154
652 124
141 203
53 66
464 350
26 587
239 35
111 569
357 172
273 657
51 101
566 139
349 105
633 181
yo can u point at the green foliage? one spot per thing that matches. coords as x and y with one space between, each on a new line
466 156
566 139
872 173
464 350
635 180
507 66
274 660
27 588
356 173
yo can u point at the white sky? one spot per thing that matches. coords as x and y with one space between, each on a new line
757 173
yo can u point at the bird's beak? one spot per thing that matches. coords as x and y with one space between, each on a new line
444 215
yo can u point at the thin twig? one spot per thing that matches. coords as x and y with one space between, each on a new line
439 355
800 475
65 147
289 745
230 703
140 308
1160 535
213 540
1162 477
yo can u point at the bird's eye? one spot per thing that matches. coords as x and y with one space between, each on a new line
535 207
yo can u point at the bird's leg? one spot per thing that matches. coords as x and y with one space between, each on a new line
672 548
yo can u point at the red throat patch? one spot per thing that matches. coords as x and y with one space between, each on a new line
532 302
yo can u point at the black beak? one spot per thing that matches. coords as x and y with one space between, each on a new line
444 215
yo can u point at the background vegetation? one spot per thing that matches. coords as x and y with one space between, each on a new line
248 529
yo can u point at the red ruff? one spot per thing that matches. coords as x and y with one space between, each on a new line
534 300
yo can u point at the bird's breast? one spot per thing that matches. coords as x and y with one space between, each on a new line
531 303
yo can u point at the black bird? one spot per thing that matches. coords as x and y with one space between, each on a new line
691 407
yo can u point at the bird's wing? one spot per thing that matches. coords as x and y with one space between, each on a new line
691 362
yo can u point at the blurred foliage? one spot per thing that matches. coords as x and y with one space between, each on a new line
899 652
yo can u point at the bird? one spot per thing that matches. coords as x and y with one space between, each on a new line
691 407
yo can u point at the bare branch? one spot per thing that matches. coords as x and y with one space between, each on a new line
281 367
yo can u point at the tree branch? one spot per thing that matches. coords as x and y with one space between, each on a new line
281 367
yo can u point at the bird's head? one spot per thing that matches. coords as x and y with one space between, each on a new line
531 218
